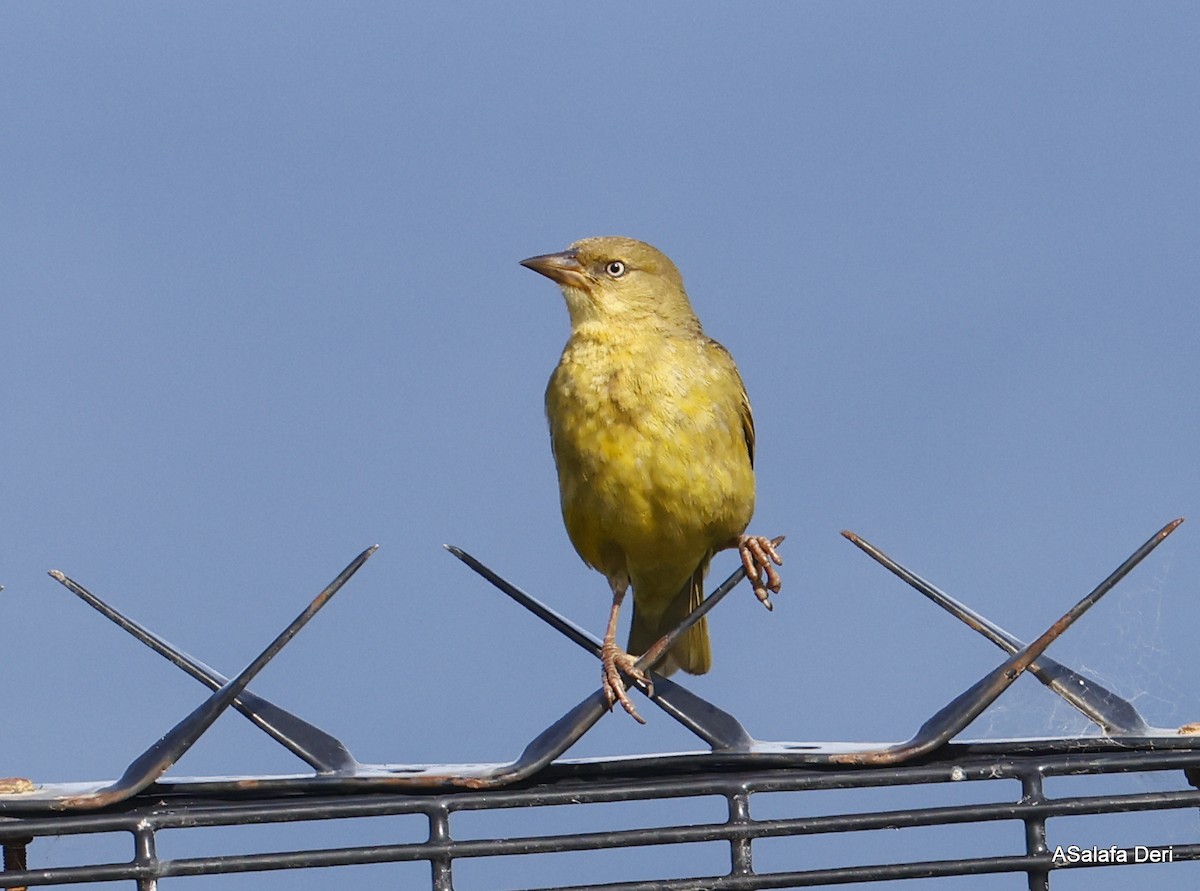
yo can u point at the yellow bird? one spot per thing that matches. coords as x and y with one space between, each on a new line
654 443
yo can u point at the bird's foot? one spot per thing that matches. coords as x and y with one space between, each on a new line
615 660
758 553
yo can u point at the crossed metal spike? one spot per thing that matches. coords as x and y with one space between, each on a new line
337 768
1114 714
158 758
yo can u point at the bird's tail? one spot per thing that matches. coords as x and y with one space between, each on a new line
692 653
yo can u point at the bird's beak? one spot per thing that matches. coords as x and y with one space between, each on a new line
563 268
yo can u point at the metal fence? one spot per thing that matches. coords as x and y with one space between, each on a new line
733 822
744 814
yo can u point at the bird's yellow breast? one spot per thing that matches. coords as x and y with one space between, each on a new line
650 444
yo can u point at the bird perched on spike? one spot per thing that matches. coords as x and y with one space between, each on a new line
654 443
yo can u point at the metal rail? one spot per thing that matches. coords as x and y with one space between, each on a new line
1013 776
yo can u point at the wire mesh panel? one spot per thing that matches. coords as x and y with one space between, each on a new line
989 811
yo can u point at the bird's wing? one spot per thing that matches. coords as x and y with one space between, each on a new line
724 357
748 424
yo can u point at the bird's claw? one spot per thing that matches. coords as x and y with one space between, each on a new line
758 553
616 661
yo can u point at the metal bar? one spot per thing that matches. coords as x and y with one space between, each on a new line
852 874
145 854
441 846
16 856
439 838
740 847
783 879
1035 829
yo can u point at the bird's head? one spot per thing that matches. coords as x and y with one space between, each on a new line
618 280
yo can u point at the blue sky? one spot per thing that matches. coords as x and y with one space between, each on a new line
262 308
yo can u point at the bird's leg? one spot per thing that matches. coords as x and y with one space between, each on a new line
615 660
758 553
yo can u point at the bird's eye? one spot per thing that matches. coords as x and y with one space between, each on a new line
615 268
